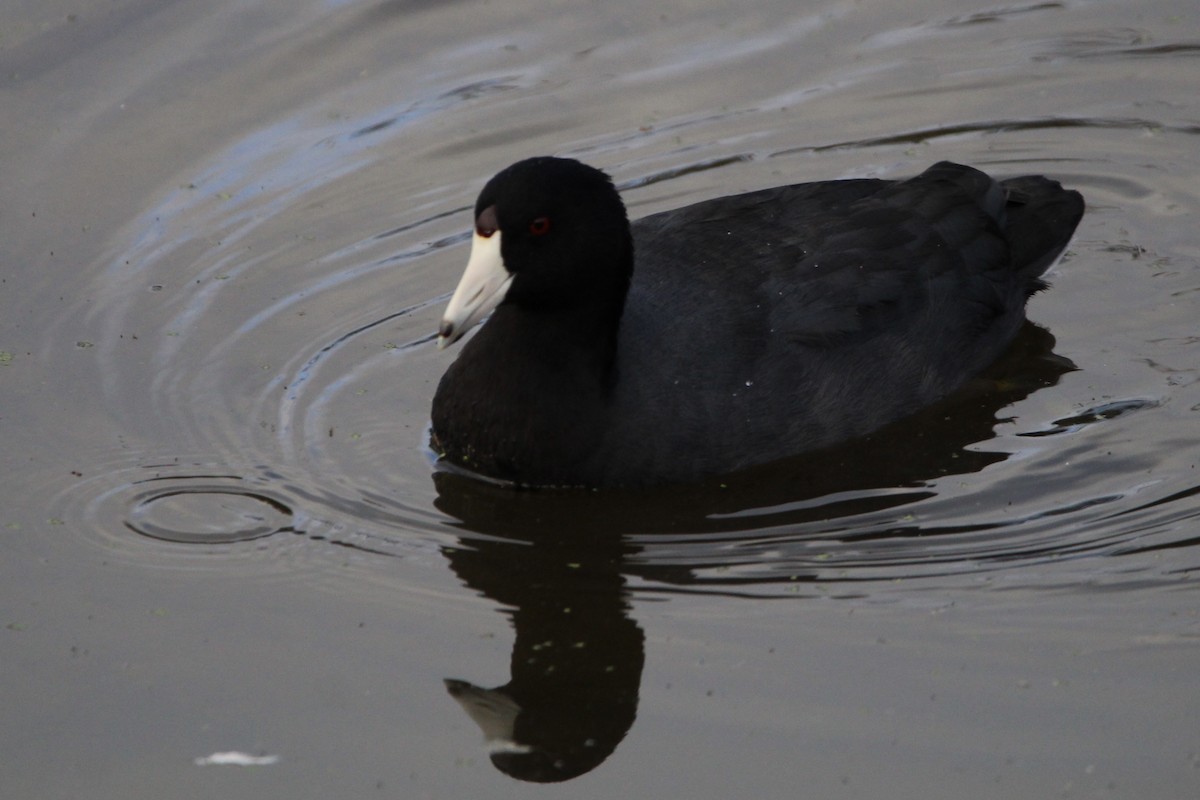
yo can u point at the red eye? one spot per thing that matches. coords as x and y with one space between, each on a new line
540 226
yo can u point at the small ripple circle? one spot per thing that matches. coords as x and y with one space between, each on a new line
207 514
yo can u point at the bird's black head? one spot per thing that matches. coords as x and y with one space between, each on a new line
551 236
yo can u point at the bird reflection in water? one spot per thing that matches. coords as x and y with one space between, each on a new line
577 661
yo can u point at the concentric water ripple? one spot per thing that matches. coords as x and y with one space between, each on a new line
185 514
181 514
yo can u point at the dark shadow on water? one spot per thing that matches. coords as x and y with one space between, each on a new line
558 562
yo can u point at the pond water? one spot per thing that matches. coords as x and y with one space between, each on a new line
227 231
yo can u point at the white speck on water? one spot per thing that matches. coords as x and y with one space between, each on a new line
233 758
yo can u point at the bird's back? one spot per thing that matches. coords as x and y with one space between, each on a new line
765 324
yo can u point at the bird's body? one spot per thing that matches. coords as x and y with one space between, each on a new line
754 327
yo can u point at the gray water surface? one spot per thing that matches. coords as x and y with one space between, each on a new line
227 231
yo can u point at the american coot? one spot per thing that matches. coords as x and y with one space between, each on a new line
732 332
